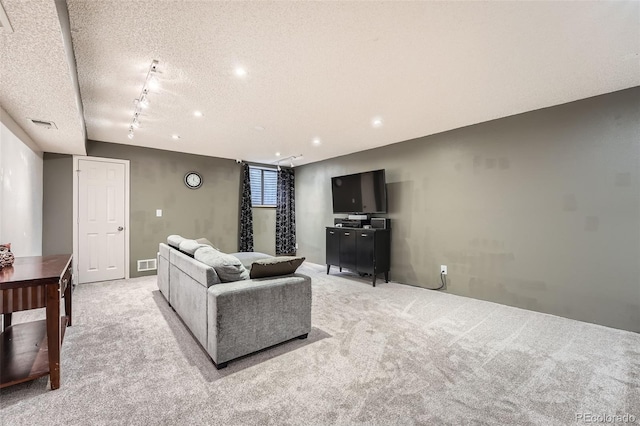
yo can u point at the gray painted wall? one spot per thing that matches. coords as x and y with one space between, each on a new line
539 210
157 183
264 230
57 220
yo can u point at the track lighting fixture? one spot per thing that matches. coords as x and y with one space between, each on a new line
150 83
290 158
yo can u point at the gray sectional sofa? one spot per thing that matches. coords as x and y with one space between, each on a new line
236 318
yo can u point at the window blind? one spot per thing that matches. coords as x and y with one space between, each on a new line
264 186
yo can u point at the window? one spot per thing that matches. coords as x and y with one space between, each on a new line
264 186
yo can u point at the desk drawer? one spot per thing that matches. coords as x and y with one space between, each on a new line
21 299
32 297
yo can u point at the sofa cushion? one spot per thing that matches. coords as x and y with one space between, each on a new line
189 247
275 266
174 241
228 267
248 257
207 242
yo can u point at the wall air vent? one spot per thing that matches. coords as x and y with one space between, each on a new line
147 265
5 25
44 124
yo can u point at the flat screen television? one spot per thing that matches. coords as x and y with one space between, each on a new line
359 193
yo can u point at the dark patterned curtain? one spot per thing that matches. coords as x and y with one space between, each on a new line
286 213
246 215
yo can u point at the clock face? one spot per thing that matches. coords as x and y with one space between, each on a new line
193 180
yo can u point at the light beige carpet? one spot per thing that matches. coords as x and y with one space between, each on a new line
393 354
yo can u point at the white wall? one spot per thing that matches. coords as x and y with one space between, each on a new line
20 193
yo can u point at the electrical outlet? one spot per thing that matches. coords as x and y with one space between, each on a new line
296 246
443 269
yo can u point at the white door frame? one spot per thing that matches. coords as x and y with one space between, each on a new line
76 159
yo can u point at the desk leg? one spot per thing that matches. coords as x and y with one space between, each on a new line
6 321
53 333
67 303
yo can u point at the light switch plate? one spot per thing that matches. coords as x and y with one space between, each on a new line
159 213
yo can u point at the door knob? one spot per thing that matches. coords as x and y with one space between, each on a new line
120 228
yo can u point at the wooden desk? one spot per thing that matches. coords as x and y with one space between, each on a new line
32 350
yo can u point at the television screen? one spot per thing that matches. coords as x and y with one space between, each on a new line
359 193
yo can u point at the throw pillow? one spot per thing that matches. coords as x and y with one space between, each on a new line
174 241
274 266
228 267
207 242
189 247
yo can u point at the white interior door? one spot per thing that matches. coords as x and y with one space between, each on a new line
101 221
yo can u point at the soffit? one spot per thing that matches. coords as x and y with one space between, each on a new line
35 77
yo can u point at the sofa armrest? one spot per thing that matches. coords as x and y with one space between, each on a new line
247 316
163 271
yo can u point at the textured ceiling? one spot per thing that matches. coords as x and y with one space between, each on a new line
35 77
318 69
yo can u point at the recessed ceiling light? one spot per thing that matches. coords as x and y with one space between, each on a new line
240 72
198 113
176 137
376 122
277 154
317 141
259 128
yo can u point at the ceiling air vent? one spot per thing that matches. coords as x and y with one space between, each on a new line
5 25
44 124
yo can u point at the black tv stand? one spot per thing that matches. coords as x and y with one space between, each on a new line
364 251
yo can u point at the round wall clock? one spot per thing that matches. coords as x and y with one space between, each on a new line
193 180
